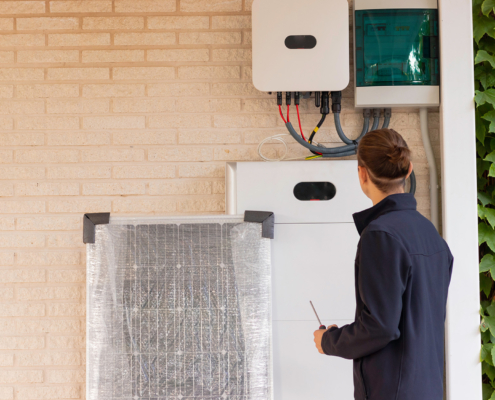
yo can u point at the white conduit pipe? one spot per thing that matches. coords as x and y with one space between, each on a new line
423 117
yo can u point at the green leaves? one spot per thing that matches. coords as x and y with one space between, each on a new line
486 353
484 198
487 7
487 391
490 157
487 263
482 56
488 323
490 116
483 26
488 96
486 235
486 284
480 129
484 73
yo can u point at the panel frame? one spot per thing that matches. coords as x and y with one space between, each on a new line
151 220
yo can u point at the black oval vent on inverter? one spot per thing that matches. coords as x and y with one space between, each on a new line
315 191
300 42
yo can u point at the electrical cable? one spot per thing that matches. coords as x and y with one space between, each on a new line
432 166
376 119
281 114
340 132
326 152
386 123
376 122
299 120
388 116
280 139
318 126
350 147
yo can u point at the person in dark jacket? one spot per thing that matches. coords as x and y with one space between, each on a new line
402 275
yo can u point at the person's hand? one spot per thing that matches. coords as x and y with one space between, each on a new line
318 335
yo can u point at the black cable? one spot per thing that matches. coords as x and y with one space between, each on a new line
318 126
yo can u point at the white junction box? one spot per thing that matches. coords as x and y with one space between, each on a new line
312 259
300 45
396 53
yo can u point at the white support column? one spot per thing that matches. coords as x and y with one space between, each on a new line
460 225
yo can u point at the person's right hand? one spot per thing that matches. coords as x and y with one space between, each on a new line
318 335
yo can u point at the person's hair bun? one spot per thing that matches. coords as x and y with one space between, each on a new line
400 156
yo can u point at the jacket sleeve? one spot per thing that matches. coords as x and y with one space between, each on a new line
382 278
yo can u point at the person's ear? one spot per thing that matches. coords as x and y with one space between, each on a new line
411 166
363 174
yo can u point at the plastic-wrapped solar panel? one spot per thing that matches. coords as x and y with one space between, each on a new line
179 309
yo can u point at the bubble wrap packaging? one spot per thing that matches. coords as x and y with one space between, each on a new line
179 309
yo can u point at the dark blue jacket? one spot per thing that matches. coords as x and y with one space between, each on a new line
402 271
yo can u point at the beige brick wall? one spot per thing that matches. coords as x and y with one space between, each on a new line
128 106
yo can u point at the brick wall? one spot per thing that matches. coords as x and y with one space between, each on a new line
128 106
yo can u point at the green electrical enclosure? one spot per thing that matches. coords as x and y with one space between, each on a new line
397 47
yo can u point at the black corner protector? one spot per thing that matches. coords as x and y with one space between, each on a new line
89 223
265 218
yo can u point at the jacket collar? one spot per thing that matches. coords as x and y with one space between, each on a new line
394 202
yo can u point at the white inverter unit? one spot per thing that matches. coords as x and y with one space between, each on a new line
313 256
300 45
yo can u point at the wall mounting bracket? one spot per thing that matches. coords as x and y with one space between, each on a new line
265 218
89 223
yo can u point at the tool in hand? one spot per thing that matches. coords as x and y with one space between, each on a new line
321 325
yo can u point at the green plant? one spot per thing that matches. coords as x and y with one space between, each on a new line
484 69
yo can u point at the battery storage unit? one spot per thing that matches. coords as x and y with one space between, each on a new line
396 53
300 45
312 259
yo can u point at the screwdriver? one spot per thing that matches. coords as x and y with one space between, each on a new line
321 325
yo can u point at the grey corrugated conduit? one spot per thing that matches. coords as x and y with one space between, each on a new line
350 148
341 133
376 119
432 165
388 116
412 182
347 150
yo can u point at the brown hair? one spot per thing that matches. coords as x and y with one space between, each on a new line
384 153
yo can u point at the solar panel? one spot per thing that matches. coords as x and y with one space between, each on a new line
179 310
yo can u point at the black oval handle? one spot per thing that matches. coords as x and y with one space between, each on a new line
315 191
300 42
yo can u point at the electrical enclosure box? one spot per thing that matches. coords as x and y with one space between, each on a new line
396 53
300 45
313 254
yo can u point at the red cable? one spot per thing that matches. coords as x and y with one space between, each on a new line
281 114
299 119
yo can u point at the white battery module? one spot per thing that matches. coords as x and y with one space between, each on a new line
300 45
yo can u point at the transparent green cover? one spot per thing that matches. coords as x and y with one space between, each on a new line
397 47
